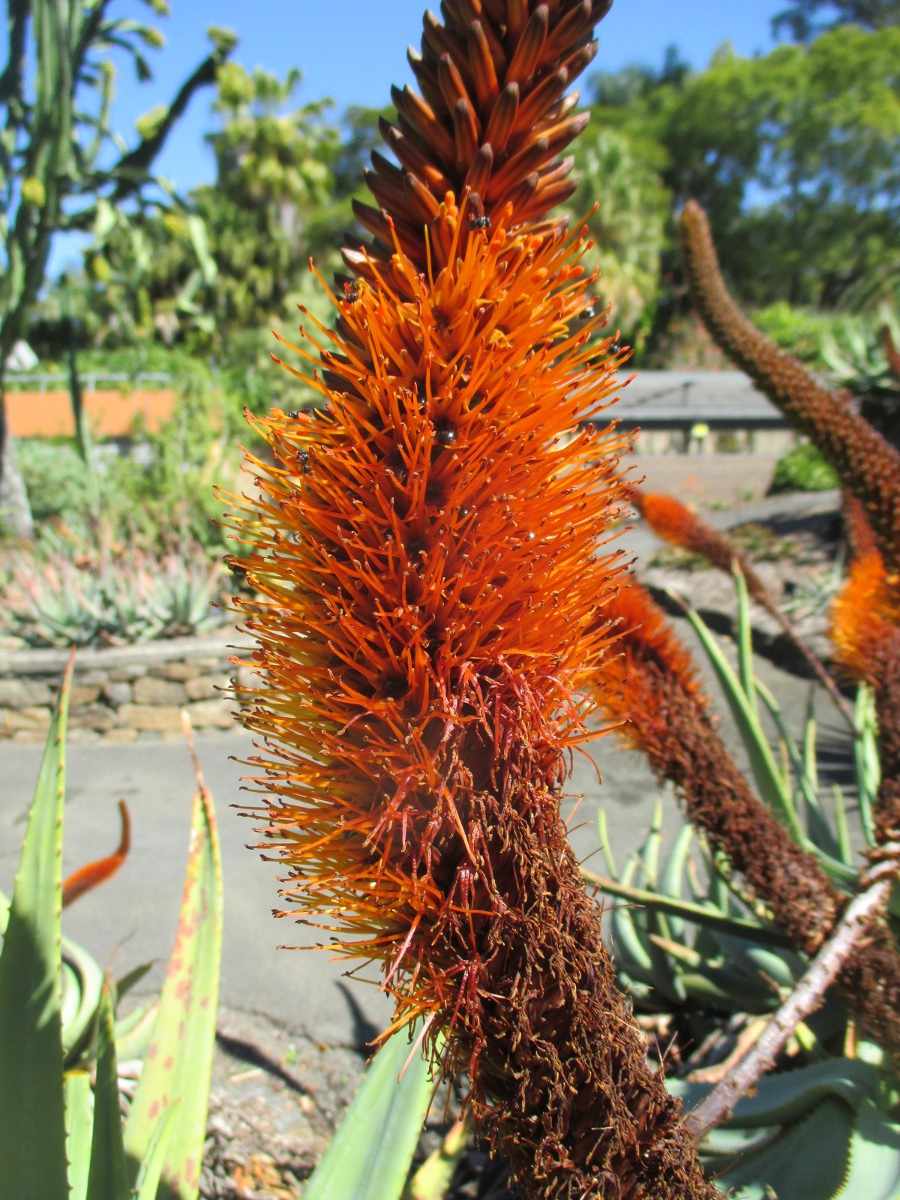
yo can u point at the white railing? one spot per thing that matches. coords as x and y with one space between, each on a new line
58 381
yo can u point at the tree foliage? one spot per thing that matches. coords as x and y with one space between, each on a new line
806 19
793 155
56 92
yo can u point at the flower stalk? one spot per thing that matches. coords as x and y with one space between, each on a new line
868 465
664 713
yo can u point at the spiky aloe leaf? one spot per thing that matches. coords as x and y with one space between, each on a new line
809 1162
32 1113
874 1170
179 1061
83 981
108 1178
79 1122
148 1184
772 785
370 1155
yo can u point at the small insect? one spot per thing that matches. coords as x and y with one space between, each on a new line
351 292
482 222
305 461
588 314
444 432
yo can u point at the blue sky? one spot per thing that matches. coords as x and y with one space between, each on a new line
352 50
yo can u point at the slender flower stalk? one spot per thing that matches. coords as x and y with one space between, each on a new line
867 464
659 701
676 523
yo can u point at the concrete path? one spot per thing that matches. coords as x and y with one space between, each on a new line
132 918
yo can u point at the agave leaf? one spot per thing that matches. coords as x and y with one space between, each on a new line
79 1124
874 1156
745 641
179 1060
805 770
845 849
134 1032
786 1095
808 1162
370 1154
132 978
108 1178
702 913
147 1184
432 1180
670 883
32 1113
867 759
87 985
629 939
606 844
772 785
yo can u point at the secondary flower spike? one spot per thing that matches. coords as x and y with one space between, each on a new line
867 464
653 690
430 588
676 523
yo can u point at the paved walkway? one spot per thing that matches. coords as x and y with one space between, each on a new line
132 917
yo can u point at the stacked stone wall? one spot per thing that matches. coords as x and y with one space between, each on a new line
124 692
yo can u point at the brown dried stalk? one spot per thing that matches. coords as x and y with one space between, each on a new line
865 909
867 464
666 716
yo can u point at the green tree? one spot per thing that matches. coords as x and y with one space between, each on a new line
800 20
626 206
56 93
793 155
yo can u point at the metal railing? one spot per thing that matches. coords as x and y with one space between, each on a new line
57 381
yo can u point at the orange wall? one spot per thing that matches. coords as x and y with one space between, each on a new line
110 413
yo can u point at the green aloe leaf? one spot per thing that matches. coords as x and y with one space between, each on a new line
79 1123
874 1156
370 1155
809 1162
32 1109
85 984
147 1185
772 785
179 1061
108 1178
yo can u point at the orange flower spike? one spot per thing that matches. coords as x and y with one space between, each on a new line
865 630
676 523
673 521
428 606
864 617
86 878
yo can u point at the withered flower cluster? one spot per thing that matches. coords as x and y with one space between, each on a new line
653 691
868 465
429 611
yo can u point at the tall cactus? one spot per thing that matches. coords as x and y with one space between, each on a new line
51 156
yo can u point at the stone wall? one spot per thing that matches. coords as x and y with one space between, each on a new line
124 692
